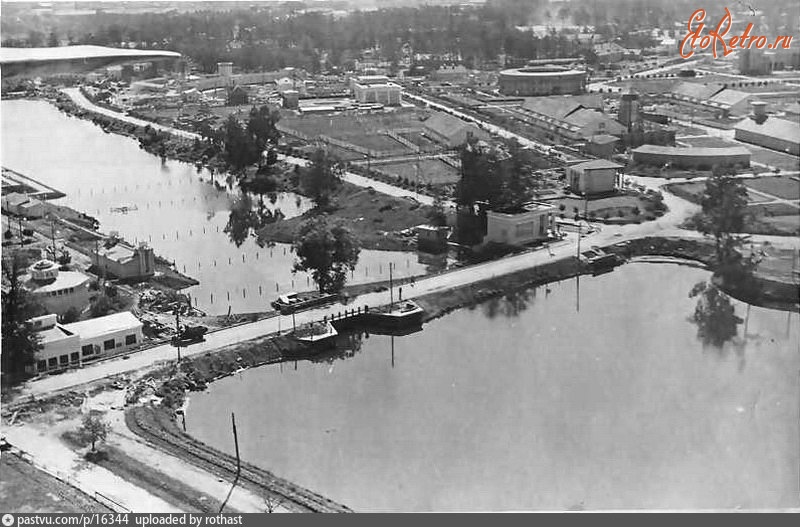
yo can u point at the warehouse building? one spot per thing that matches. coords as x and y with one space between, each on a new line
700 158
776 134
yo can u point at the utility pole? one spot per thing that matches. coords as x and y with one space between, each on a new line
178 332
391 292
238 463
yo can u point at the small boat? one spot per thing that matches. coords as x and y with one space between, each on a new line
295 302
401 314
315 333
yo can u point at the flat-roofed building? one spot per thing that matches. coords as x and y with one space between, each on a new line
376 89
530 223
65 345
126 262
598 176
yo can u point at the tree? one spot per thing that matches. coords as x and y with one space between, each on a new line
240 149
261 126
71 315
52 40
724 205
93 429
437 215
328 251
321 178
20 342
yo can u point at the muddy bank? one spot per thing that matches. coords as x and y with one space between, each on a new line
157 426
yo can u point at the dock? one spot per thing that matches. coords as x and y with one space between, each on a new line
13 181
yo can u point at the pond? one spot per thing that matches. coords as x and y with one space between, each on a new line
172 206
598 394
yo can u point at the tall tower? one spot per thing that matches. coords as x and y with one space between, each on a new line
629 110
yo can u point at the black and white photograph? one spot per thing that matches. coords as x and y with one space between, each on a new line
398 256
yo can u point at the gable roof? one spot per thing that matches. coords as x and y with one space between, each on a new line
586 117
696 90
560 106
448 126
730 97
772 127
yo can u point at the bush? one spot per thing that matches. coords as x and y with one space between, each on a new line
636 211
8 234
70 315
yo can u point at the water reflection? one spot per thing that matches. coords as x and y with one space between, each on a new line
714 315
347 346
509 305
245 218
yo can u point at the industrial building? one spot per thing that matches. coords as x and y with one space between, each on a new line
65 345
531 223
22 205
376 89
776 134
451 131
598 176
701 158
542 80
124 261
57 290
572 118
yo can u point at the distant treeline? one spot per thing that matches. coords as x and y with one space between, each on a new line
270 38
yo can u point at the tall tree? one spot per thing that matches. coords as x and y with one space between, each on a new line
724 205
326 250
321 179
93 430
20 341
261 126
240 150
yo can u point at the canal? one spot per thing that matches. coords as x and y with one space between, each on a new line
597 395
172 206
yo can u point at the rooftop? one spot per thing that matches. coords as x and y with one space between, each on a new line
597 164
64 280
54 334
772 127
692 151
12 55
97 327
532 206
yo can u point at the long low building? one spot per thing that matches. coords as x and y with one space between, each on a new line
693 157
776 134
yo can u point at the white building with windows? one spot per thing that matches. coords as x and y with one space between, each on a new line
376 89
71 345
531 223
57 290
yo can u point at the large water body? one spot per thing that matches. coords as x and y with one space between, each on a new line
590 395
179 212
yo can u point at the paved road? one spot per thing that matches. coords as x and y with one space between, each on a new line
79 99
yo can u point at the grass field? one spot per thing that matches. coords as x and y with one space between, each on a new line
431 171
26 489
782 186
